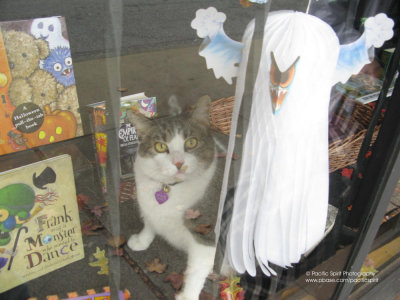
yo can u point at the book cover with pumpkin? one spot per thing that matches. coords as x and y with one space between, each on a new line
38 99
39 221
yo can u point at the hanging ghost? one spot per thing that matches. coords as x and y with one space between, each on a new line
281 198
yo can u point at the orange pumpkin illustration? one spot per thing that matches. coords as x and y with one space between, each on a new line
58 125
8 143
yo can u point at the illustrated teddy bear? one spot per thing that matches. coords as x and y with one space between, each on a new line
68 100
24 54
31 83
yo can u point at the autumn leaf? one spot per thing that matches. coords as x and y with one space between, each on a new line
346 172
191 214
175 279
101 261
203 229
90 226
116 241
127 191
117 252
156 266
82 201
98 210
231 289
245 3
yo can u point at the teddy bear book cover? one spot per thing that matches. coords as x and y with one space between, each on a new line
39 103
39 221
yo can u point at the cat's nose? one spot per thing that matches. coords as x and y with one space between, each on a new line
179 164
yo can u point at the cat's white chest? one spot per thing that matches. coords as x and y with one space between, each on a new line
166 216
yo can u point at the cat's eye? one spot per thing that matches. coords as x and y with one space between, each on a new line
190 143
160 147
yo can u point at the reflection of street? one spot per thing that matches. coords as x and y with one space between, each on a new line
147 25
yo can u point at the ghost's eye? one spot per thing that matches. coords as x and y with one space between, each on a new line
190 143
51 28
40 25
68 61
160 147
3 215
57 67
287 76
275 75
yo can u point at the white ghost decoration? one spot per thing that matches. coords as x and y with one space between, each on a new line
281 197
50 30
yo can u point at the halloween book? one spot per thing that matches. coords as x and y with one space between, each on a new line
39 221
128 140
38 98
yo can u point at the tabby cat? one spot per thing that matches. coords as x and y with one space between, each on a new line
174 165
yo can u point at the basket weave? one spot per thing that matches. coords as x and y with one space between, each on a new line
352 117
221 114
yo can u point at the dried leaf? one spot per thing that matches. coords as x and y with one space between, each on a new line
98 210
245 3
156 266
203 229
90 226
346 172
82 201
127 191
175 279
191 214
117 241
117 252
122 89
101 261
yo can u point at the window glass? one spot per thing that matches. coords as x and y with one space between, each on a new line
177 150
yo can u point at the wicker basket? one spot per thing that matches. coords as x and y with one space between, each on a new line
350 118
221 115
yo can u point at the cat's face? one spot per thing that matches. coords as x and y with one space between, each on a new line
175 149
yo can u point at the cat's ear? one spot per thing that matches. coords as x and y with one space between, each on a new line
201 113
140 122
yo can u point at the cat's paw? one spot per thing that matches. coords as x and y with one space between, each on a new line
138 242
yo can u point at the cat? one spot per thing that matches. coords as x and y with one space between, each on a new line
175 162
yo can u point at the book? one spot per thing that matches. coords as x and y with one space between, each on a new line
128 140
38 99
365 88
39 221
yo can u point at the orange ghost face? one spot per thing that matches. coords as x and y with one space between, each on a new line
280 82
